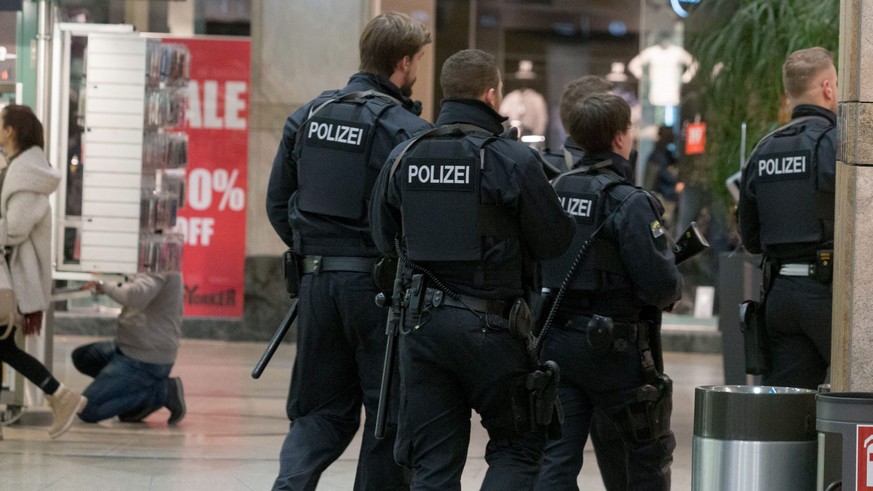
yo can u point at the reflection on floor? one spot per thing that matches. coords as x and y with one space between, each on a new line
234 428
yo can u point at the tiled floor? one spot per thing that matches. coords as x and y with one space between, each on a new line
234 428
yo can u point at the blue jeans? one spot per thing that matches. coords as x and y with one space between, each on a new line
122 385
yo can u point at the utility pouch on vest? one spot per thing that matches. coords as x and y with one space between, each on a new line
755 342
823 270
292 273
520 320
384 272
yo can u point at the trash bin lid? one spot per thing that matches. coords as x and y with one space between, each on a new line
847 407
754 413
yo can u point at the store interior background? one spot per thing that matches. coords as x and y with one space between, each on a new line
541 45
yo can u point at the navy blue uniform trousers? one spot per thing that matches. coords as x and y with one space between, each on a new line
340 352
798 313
449 365
589 381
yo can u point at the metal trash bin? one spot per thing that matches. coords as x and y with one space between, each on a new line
753 438
845 440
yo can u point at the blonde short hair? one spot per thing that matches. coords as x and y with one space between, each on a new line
801 67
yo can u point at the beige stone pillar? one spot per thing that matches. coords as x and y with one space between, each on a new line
852 348
299 49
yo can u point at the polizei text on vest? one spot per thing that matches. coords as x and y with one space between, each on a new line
336 133
440 174
792 164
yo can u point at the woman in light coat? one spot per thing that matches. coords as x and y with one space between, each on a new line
25 230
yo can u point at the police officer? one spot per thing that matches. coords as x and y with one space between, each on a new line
569 156
472 212
786 212
605 335
608 447
330 154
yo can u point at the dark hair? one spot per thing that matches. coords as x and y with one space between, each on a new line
468 74
596 120
387 39
25 124
579 89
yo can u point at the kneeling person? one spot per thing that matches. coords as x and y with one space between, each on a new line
131 372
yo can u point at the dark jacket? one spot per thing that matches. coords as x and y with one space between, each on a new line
513 180
310 233
815 193
651 277
558 159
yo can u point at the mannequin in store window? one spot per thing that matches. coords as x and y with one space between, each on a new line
525 107
667 67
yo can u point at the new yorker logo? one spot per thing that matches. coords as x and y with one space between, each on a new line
580 206
341 135
784 165
443 175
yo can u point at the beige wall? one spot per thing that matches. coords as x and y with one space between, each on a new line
299 49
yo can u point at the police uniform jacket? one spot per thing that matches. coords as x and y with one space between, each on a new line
786 207
647 275
512 178
559 159
312 233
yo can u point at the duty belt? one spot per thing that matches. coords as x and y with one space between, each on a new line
319 264
437 298
797 269
628 331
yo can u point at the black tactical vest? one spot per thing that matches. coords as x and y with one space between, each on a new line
785 174
443 219
333 154
584 196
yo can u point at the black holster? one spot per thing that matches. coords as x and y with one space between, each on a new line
646 416
753 323
544 408
755 342
291 263
384 272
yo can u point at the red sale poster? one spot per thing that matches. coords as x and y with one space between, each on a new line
213 219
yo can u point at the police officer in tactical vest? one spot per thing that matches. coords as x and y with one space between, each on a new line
570 154
471 213
606 324
608 447
786 213
331 152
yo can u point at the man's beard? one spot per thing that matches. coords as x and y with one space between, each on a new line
406 90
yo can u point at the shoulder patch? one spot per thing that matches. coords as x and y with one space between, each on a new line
658 234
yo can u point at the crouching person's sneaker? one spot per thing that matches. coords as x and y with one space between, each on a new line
65 405
175 400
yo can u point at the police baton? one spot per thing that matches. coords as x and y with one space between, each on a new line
278 336
392 328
